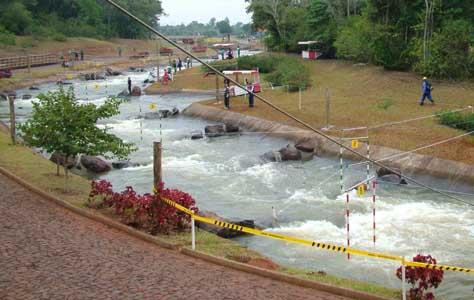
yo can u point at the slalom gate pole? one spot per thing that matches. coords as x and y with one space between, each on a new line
374 193
193 233
347 224
368 157
404 288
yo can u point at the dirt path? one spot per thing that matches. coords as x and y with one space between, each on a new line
47 252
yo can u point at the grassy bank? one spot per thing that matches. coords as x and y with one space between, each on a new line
363 95
40 172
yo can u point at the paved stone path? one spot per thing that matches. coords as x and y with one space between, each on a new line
47 252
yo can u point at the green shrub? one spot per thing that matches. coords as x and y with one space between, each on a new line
6 37
59 37
16 18
457 120
221 65
385 104
29 43
264 63
354 41
292 73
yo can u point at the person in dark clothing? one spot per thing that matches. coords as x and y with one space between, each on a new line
82 55
129 85
180 63
426 89
227 97
175 65
250 94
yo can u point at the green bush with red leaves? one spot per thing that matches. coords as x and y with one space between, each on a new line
147 212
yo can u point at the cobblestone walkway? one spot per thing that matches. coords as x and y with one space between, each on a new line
47 252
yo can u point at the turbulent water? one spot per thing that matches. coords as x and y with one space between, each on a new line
226 175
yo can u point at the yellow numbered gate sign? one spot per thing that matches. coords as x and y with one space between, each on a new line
361 190
355 144
152 106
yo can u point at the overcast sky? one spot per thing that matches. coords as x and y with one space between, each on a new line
186 11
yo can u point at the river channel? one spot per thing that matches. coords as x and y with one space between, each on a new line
226 175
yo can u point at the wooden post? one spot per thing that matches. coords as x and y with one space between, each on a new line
12 119
328 108
300 100
28 59
157 174
217 88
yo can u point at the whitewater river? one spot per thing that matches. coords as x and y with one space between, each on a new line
227 176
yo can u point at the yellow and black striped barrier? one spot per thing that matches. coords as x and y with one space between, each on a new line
323 246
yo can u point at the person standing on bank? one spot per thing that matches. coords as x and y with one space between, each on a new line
180 64
129 86
227 97
426 89
238 51
175 65
250 92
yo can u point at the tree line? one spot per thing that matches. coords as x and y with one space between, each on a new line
212 28
432 37
86 18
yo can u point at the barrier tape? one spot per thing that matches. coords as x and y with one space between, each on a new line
319 245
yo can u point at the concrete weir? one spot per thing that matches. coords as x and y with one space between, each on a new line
451 175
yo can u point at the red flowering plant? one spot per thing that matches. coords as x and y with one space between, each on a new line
146 211
422 279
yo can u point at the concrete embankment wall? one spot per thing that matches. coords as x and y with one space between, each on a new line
453 175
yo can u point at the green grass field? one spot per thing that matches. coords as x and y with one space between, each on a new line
362 95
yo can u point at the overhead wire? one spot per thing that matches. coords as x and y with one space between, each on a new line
277 108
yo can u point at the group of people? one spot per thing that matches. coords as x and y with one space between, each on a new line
72 56
229 54
250 93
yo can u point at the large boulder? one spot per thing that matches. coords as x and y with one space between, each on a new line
305 146
215 130
110 72
136 91
384 171
220 231
95 164
290 153
231 128
197 135
59 158
174 112
34 88
122 164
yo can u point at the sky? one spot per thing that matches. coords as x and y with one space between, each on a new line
186 11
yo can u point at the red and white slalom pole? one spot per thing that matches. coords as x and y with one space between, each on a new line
347 224
374 194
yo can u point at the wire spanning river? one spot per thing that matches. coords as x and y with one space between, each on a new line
226 175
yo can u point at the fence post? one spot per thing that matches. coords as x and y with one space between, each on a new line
300 99
193 234
328 107
12 118
157 174
28 60
217 88
404 289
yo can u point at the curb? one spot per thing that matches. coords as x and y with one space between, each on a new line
194 254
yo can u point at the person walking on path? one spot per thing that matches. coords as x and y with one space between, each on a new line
227 97
250 93
426 89
180 64
238 51
188 62
129 86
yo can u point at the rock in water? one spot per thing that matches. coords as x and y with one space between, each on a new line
290 153
174 112
215 130
58 158
305 146
26 97
231 128
136 91
34 88
123 93
95 164
197 135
